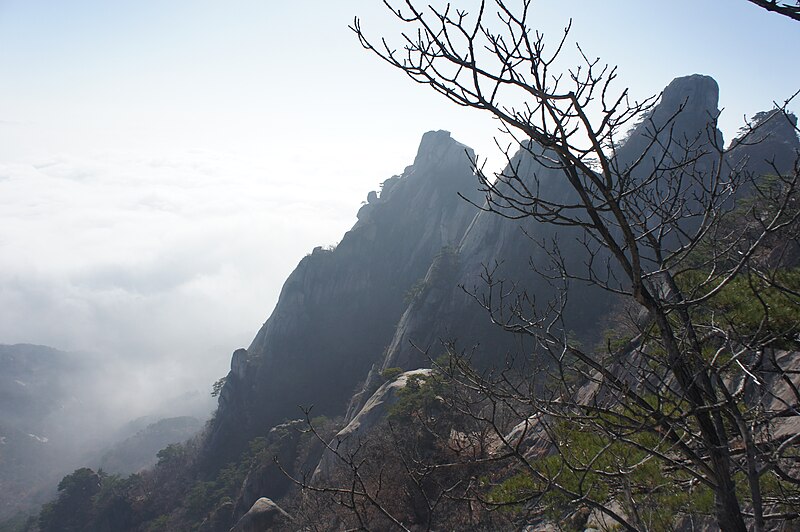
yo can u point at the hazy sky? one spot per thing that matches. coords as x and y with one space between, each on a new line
165 164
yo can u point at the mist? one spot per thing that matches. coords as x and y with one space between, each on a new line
165 166
159 268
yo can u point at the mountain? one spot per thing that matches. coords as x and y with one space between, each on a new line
34 393
53 418
411 274
30 386
337 311
516 251
767 146
140 450
423 270
447 301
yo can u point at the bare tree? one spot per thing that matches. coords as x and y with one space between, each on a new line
787 9
694 396
412 472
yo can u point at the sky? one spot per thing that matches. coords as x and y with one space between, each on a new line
164 165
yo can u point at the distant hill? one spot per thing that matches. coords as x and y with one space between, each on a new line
33 394
53 420
139 450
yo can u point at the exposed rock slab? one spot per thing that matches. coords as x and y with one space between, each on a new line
371 414
263 515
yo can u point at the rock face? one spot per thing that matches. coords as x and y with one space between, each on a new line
337 311
687 107
509 248
411 273
454 283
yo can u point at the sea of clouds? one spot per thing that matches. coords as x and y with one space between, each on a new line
158 267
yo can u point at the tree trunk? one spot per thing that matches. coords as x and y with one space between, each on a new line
728 511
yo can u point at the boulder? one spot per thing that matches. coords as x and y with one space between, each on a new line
266 479
371 414
263 515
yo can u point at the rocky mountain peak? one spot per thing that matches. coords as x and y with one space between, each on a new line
439 149
338 310
687 110
773 125
683 119
779 122
768 145
699 93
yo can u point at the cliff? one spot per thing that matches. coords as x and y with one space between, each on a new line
337 311
411 274
422 271
514 250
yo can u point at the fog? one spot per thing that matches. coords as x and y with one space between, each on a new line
164 166
161 267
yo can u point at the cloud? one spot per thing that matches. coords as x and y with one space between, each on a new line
163 265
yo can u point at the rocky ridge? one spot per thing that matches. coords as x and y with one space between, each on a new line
337 311
355 322
509 247
437 265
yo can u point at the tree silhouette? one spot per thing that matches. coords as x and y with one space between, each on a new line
693 395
